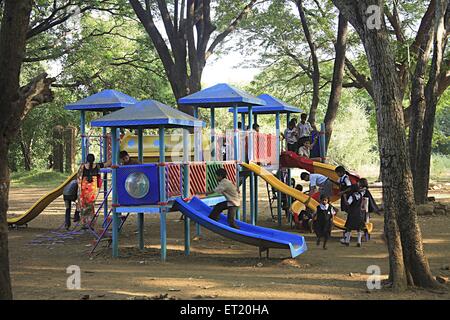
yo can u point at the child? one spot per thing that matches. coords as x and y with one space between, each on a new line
324 220
368 203
345 185
354 217
231 193
304 129
291 136
318 182
305 149
70 194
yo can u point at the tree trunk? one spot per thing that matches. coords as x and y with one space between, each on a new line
395 166
26 152
431 99
14 26
418 112
338 76
315 63
5 281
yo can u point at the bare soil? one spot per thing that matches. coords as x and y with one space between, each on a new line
217 268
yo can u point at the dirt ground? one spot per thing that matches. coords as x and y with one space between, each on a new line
217 268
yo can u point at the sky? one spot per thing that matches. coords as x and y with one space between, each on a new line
228 68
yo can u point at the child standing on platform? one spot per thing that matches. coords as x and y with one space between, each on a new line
323 221
291 136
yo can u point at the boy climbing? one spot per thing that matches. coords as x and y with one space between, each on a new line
231 193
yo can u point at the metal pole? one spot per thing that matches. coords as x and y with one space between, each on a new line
277 126
83 135
236 150
197 152
244 184
255 116
140 214
289 199
162 194
116 222
250 158
323 150
105 176
187 225
213 135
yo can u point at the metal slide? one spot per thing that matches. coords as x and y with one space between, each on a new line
264 238
41 204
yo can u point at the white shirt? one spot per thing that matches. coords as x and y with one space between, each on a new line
316 179
304 152
325 208
355 196
290 136
304 130
345 179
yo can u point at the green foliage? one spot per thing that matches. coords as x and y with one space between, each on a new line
37 179
351 143
440 166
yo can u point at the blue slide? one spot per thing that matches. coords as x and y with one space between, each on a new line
264 238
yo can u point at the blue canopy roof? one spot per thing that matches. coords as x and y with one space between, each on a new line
103 100
273 105
219 96
147 114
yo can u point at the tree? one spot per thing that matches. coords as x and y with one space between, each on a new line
408 264
13 103
431 93
189 29
338 78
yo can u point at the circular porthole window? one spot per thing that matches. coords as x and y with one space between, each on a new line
137 185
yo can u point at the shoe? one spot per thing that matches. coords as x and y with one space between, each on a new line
325 248
76 217
359 245
318 242
344 243
234 226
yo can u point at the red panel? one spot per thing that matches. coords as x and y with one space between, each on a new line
197 178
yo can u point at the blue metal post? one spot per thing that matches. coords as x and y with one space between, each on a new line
244 184
140 220
197 152
323 150
213 135
236 150
105 176
83 136
250 158
289 199
162 194
255 117
115 225
187 225
277 126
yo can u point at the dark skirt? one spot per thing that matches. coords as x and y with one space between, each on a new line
355 221
323 228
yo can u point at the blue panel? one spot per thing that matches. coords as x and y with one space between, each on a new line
220 95
152 197
104 100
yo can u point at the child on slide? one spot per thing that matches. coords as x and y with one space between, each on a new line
323 221
345 185
231 193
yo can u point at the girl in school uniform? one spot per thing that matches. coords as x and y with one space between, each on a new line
323 221
344 185
355 219
368 203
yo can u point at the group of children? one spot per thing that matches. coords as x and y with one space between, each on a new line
356 201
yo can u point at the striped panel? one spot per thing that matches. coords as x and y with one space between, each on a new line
231 171
211 180
173 180
197 178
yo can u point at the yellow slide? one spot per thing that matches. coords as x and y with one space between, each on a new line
41 204
282 187
296 194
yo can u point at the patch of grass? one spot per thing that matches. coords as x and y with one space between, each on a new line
37 179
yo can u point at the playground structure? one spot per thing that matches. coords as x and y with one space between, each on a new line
178 167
